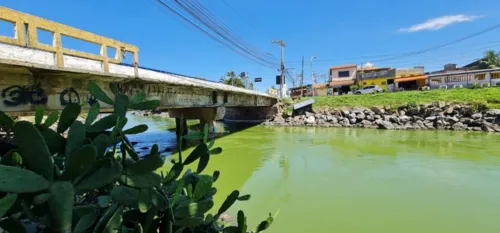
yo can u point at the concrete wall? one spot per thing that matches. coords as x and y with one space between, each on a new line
249 114
334 74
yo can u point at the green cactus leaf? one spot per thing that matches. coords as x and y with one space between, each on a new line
103 201
130 152
177 194
202 187
7 202
215 151
99 178
79 161
12 225
114 222
212 191
198 152
167 222
202 164
51 119
180 230
105 162
263 226
121 104
61 206
6 120
114 88
86 222
68 116
154 150
244 197
189 222
82 210
193 136
148 180
175 171
145 200
228 202
101 143
12 158
136 129
159 200
125 196
92 114
139 97
242 222
76 137
216 175
55 142
102 223
103 124
146 165
193 209
146 105
18 180
96 91
41 198
35 153
231 229
211 144
39 112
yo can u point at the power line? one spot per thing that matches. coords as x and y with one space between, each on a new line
240 16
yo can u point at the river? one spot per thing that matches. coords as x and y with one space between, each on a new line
355 180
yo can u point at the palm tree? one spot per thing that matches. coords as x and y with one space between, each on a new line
232 79
491 59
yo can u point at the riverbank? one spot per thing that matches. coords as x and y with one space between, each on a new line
436 116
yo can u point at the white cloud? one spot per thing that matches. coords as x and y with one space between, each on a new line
440 22
366 65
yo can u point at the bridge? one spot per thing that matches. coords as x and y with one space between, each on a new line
33 73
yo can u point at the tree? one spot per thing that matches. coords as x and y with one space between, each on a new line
232 79
491 59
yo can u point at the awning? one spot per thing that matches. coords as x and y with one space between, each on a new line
341 83
407 79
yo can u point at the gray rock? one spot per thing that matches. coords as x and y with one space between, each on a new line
345 122
332 119
378 111
418 118
449 110
402 113
298 118
431 118
345 113
493 112
488 128
353 121
409 125
404 118
377 117
386 125
370 117
279 119
477 129
429 125
360 116
452 119
441 104
477 116
308 114
366 123
497 120
310 120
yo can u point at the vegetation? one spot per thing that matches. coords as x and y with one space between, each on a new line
234 80
491 59
94 181
490 97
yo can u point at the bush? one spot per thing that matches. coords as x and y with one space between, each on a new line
94 181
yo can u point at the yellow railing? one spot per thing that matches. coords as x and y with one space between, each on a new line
25 28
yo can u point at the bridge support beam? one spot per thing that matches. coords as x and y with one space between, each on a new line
249 114
205 115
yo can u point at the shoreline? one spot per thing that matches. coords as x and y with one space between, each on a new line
435 116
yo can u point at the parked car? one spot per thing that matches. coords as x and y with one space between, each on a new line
369 90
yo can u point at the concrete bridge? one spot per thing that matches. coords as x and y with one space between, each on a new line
33 73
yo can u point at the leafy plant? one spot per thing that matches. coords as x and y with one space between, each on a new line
94 181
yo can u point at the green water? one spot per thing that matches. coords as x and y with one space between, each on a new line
354 180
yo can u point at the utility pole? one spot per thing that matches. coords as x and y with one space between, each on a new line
302 79
313 77
282 44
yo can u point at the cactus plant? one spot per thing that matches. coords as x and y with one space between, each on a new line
93 180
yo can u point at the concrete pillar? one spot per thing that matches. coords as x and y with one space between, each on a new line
178 127
211 125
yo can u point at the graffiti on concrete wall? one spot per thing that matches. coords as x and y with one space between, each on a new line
91 100
20 95
68 96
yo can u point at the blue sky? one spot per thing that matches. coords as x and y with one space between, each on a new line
336 32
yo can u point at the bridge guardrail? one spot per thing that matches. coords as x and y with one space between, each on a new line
25 28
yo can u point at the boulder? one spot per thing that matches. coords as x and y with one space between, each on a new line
366 123
477 116
310 120
360 116
493 112
332 119
378 111
377 117
449 110
308 114
345 122
417 118
451 119
370 117
353 121
386 125
404 118
402 113
431 118
488 128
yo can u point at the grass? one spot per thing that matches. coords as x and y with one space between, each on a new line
489 97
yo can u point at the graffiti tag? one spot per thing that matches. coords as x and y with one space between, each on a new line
20 95
68 96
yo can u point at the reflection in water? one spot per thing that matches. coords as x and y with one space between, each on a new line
355 180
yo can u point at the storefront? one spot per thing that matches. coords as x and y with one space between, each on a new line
341 87
411 83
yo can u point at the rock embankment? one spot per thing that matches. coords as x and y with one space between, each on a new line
439 116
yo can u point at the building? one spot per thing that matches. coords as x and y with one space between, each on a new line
342 78
273 91
412 78
382 77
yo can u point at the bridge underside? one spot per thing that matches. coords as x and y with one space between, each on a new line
23 87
